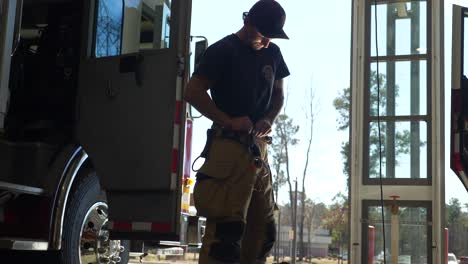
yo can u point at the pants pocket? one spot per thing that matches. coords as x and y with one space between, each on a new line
224 157
228 176
211 198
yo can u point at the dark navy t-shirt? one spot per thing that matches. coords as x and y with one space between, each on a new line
243 77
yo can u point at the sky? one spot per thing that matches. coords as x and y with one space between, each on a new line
318 57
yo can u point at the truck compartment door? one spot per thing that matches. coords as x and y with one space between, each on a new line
459 120
131 114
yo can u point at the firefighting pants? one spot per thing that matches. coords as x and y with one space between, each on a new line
236 197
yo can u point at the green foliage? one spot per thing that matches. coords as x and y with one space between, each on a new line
377 135
454 211
457 222
285 131
314 215
343 104
336 219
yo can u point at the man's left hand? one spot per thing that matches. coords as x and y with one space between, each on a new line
262 128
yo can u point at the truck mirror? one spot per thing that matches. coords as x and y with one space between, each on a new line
200 47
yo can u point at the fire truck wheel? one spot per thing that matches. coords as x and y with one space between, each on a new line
85 235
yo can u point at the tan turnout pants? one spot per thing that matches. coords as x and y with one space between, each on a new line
236 198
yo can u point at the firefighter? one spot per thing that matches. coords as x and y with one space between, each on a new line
244 72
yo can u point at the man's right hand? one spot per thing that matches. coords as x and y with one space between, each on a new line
241 124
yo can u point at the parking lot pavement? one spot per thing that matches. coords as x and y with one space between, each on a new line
29 257
135 261
187 258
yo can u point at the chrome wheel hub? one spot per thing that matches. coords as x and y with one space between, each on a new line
95 245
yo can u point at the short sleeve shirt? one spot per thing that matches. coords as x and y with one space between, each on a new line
243 77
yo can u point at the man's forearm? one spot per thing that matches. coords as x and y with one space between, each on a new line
277 101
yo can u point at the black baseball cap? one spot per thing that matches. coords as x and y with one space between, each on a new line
268 17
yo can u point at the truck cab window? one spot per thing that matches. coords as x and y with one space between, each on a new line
131 26
109 28
43 72
155 24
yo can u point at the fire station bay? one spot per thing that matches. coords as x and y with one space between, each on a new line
98 148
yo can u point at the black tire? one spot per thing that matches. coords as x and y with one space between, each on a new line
85 195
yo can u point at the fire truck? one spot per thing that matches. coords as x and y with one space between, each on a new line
94 136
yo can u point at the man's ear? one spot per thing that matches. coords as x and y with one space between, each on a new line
247 21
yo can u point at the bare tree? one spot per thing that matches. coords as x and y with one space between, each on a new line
310 116
279 158
285 132
284 138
